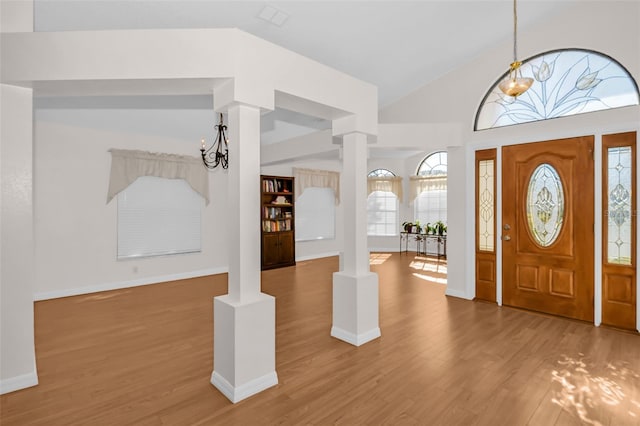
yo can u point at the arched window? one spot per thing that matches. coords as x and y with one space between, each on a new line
566 82
434 165
385 190
380 173
429 189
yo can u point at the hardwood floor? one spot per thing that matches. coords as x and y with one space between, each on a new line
143 356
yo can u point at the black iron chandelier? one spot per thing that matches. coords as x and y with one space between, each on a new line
217 154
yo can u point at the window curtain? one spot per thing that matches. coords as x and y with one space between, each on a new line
129 165
307 178
386 184
419 184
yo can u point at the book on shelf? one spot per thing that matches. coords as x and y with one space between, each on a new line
276 225
274 185
275 213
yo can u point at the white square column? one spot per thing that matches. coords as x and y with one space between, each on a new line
17 246
355 287
244 319
17 277
244 348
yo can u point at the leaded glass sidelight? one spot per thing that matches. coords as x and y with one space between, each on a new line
619 186
545 205
486 231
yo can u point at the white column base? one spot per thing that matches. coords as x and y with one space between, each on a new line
355 308
20 382
244 348
237 394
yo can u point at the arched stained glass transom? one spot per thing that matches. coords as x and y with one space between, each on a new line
566 82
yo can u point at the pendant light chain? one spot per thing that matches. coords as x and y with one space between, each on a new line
515 32
515 85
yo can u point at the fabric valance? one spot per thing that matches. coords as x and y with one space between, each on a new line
386 184
307 178
419 184
129 165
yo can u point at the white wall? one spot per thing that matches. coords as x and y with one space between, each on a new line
16 15
75 229
612 28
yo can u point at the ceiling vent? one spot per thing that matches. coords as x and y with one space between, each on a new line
273 16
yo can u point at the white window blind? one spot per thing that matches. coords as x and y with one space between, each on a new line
429 189
385 190
315 214
431 206
158 216
382 214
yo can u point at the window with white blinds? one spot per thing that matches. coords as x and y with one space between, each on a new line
158 216
382 206
316 214
430 204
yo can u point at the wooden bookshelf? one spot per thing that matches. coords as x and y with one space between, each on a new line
277 218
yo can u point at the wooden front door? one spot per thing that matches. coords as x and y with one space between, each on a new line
547 217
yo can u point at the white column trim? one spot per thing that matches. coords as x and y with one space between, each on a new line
237 394
19 382
355 339
597 231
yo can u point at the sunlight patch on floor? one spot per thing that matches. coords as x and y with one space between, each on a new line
428 265
430 278
378 258
105 295
584 394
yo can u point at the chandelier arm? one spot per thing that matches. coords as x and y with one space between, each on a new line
214 155
223 158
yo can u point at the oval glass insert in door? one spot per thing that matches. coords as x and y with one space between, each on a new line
545 205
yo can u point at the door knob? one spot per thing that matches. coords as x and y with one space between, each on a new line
506 238
506 226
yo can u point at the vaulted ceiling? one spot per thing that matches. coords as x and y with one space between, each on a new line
396 45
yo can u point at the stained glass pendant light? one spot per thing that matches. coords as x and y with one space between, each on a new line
515 85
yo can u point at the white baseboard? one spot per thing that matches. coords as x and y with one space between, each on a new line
317 256
126 284
337 253
457 293
383 250
355 339
239 393
19 382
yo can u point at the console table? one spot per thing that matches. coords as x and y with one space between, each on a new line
422 243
